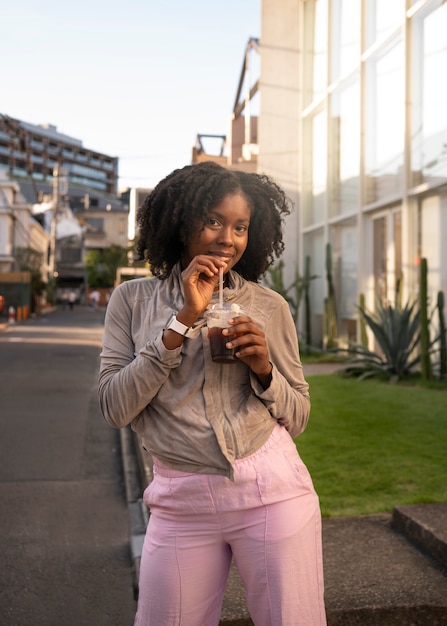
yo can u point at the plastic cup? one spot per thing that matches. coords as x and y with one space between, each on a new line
217 320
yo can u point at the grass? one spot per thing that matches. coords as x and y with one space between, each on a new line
371 445
321 356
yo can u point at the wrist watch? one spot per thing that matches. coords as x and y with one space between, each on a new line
177 326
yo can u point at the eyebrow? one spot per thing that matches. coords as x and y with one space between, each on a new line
222 217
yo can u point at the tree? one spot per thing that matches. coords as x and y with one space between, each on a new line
30 260
101 265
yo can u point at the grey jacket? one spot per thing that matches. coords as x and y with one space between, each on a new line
193 414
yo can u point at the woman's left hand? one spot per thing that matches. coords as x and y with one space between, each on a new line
251 346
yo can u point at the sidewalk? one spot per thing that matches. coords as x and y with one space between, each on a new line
380 570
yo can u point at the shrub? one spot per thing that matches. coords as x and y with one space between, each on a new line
397 333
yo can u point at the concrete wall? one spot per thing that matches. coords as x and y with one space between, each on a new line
279 141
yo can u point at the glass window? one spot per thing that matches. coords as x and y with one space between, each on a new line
344 263
387 255
314 247
316 170
315 48
382 18
345 37
95 225
345 148
36 144
84 170
380 243
429 123
71 255
385 123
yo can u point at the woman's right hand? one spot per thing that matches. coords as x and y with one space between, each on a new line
199 279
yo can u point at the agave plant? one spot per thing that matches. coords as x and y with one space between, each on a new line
397 332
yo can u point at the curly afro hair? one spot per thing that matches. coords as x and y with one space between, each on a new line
171 212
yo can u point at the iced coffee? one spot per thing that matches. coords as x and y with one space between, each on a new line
217 320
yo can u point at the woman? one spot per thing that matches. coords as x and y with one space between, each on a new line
228 481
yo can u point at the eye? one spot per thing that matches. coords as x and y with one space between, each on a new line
242 228
212 221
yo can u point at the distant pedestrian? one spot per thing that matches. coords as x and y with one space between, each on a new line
94 299
72 299
64 299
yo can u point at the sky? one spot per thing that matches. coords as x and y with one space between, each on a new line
135 79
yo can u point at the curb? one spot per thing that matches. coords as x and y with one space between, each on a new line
138 512
424 528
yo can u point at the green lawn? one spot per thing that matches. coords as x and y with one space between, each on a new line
372 445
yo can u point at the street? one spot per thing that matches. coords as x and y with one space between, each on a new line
64 540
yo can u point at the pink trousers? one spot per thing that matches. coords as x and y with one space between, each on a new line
268 520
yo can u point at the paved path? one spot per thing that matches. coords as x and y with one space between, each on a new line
64 541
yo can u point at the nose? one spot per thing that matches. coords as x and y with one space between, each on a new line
225 236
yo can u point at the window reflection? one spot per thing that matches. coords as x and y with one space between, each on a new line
315 174
345 263
385 124
316 16
345 148
382 18
429 131
345 32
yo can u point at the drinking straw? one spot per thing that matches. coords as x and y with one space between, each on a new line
221 284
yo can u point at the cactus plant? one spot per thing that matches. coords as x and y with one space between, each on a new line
442 337
363 333
426 368
331 310
300 285
306 286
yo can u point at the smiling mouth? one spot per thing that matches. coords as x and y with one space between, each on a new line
224 257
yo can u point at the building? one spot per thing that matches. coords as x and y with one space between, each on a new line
352 124
73 191
23 249
31 151
18 228
239 150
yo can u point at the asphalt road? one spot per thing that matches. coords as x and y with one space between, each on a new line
64 540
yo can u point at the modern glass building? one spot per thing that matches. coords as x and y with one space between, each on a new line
368 122
31 151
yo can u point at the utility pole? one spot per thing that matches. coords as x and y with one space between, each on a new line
60 188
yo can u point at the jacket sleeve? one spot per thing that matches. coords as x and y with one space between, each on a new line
287 397
128 381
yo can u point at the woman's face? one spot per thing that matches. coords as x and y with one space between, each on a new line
224 233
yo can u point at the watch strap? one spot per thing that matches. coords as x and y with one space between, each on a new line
177 326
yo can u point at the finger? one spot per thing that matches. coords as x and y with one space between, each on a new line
248 340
